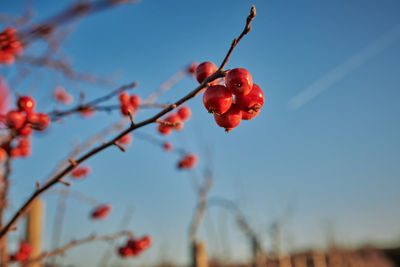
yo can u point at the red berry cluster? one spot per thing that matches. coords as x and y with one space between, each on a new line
101 212
22 122
81 172
238 99
134 247
24 252
129 103
10 46
188 161
183 114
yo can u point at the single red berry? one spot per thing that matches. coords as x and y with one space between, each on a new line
42 121
184 113
15 152
135 101
61 95
126 108
126 140
143 243
188 161
3 154
249 115
217 99
167 146
101 212
192 67
205 70
124 98
26 103
229 119
26 130
15 119
253 101
174 118
86 112
81 172
163 129
125 252
239 81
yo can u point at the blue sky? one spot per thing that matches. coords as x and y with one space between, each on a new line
332 161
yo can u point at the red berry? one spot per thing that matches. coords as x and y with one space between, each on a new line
217 99
40 122
229 119
15 119
184 113
26 130
167 146
163 129
126 140
3 154
61 95
143 243
188 162
135 101
253 101
101 212
124 98
192 68
239 81
126 108
249 115
81 172
174 118
26 103
205 70
86 112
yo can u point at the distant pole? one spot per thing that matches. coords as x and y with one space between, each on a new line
199 254
34 222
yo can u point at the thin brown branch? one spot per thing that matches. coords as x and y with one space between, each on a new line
218 74
76 243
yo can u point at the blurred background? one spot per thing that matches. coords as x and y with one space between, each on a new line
318 168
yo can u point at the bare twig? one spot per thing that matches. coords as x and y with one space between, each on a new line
218 74
76 243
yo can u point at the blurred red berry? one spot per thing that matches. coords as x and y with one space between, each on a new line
15 119
126 140
10 46
229 119
26 103
26 130
81 172
124 98
135 101
87 112
40 121
167 146
3 154
217 99
192 68
101 212
205 70
125 109
188 161
61 95
184 113
174 118
163 129
239 81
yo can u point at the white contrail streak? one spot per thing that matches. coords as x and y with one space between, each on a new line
345 68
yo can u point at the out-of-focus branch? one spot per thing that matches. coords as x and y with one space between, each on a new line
63 67
201 206
73 163
76 243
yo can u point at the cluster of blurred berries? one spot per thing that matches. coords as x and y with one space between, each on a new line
188 161
134 247
10 46
175 121
101 212
237 99
24 252
129 103
21 122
